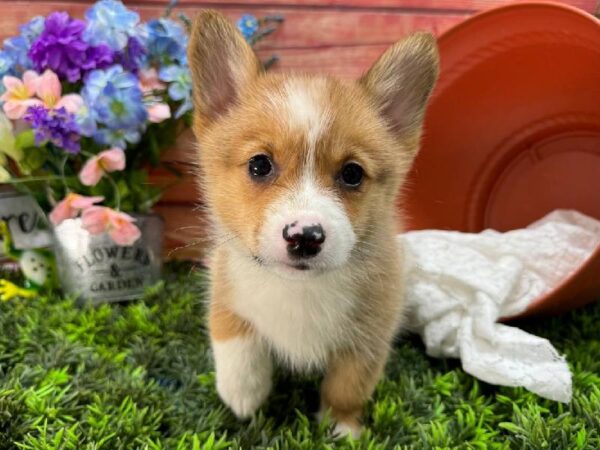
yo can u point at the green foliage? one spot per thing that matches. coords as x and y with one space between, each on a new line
49 173
139 376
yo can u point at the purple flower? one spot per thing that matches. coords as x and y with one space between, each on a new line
57 126
61 47
133 56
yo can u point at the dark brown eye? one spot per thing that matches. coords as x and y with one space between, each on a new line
351 175
260 166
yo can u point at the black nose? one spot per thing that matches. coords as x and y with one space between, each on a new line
305 242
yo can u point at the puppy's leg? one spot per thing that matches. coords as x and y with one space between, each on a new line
243 363
347 386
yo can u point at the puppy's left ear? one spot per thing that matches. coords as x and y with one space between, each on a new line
401 81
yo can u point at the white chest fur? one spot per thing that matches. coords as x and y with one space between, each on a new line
302 320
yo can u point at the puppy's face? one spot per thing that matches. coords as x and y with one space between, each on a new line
301 171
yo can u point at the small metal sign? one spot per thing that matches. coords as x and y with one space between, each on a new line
94 268
26 220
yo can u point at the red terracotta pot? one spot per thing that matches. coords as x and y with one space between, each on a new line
513 130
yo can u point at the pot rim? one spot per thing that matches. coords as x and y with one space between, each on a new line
152 215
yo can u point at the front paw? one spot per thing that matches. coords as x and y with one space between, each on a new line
242 396
342 428
244 369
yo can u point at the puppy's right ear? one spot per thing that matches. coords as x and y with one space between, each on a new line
221 63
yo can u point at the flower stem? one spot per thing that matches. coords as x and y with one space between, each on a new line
62 172
116 189
34 179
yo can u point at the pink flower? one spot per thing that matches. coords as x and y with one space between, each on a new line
18 95
49 91
149 81
70 206
106 161
119 226
158 112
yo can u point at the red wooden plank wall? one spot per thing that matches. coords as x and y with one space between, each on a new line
339 37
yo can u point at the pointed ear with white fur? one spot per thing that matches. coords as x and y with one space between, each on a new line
221 63
401 81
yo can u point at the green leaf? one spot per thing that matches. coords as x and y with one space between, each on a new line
33 159
25 139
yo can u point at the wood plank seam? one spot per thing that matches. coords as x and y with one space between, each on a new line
332 6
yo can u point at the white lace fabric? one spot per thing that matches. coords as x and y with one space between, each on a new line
460 284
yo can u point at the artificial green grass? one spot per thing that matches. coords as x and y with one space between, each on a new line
139 376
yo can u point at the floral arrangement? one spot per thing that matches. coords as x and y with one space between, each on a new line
87 106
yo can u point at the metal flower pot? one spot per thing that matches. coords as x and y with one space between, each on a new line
25 219
95 269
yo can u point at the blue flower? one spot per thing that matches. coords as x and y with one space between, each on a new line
117 138
248 25
180 86
110 22
16 48
116 102
32 29
86 121
167 41
7 65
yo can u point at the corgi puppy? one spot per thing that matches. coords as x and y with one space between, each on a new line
300 175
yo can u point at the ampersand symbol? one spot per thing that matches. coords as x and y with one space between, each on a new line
114 271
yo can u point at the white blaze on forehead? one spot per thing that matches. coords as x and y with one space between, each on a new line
303 104
307 109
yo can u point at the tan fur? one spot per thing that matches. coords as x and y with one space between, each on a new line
213 27
222 321
376 122
348 384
